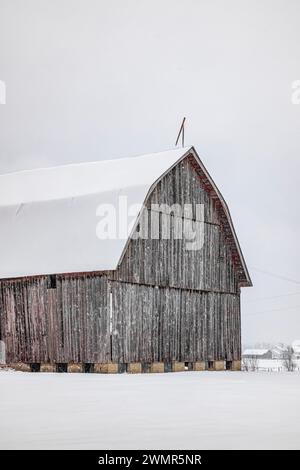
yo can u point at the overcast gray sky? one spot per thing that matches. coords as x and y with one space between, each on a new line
95 79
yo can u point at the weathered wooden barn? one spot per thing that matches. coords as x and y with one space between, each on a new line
73 297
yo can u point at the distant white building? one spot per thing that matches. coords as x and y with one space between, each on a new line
279 351
296 348
257 354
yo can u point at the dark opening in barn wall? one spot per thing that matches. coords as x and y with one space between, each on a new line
88 368
122 368
146 367
52 282
62 367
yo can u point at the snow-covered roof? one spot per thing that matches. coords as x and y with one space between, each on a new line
255 352
82 179
280 347
49 216
296 345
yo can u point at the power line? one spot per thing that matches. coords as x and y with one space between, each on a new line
271 297
272 310
278 276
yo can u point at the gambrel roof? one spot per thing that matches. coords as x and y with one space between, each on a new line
49 216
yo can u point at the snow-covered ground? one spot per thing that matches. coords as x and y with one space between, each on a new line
187 410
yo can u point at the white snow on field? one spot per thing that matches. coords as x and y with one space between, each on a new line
188 410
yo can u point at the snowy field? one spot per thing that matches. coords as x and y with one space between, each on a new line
187 410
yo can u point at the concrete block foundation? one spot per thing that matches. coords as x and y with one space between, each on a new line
236 365
178 366
47 367
100 368
130 368
157 367
219 365
134 368
112 368
20 366
199 366
75 368
107 368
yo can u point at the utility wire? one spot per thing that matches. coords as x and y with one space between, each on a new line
278 276
271 297
272 310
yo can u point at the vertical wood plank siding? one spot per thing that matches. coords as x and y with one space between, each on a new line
69 323
167 303
150 324
168 262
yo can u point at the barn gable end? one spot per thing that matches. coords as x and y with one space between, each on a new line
168 262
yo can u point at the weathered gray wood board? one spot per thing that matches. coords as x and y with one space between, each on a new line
163 303
168 262
72 322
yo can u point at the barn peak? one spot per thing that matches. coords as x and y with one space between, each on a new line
49 214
